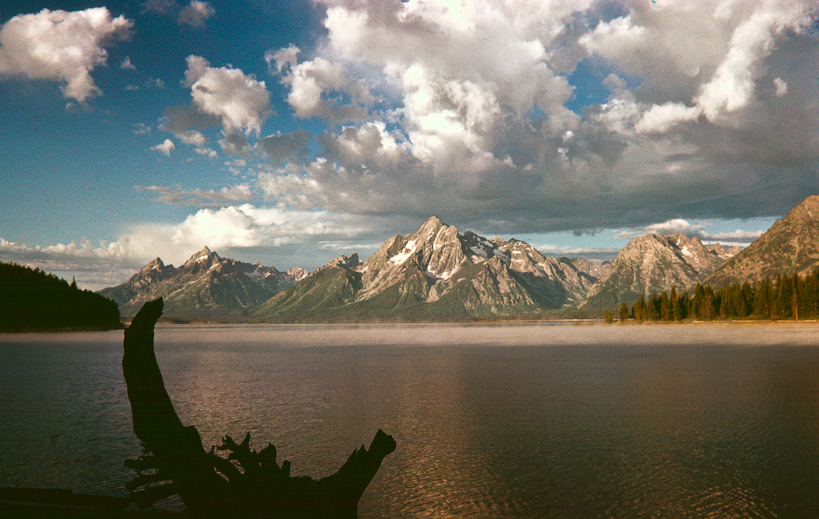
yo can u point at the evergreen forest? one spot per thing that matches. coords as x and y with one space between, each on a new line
32 300
786 297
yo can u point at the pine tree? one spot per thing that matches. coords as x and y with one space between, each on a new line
665 307
623 312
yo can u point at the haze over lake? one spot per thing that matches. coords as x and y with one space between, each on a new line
523 420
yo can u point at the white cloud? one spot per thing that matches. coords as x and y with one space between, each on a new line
192 137
241 102
675 226
126 64
206 152
732 86
229 230
196 13
278 62
166 147
155 83
469 111
682 226
780 86
94 267
311 82
61 46
661 118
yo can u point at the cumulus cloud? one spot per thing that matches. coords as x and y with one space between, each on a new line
661 118
61 46
166 147
711 105
239 101
312 84
733 84
94 266
196 13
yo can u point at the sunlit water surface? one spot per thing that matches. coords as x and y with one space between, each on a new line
492 421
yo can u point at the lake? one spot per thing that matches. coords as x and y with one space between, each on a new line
492 421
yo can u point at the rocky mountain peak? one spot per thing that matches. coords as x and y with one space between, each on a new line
653 263
299 273
430 227
203 256
155 264
351 261
808 210
790 246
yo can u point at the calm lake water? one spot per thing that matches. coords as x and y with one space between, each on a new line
492 421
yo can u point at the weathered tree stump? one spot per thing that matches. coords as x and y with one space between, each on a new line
247 483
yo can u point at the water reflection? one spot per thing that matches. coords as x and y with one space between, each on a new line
563 423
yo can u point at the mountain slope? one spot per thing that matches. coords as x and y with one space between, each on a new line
435 273
790 246
205 285
654 263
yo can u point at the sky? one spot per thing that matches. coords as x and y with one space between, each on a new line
290 132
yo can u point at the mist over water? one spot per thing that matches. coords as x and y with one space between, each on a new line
524 420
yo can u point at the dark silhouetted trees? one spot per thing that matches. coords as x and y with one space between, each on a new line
32 300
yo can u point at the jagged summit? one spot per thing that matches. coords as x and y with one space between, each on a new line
431 226
203 256
154 264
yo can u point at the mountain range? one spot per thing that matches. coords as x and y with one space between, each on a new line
439 273
206 285
435 273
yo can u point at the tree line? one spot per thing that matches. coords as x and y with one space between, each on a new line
786 297
33 300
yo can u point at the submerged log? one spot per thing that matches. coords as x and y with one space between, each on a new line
247 483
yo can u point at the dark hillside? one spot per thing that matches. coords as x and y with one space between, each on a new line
32 300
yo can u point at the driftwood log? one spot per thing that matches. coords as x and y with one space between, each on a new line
247 483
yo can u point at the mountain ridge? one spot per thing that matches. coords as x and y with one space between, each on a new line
205 285
790 246
434 273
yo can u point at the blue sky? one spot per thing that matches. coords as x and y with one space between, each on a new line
289 132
